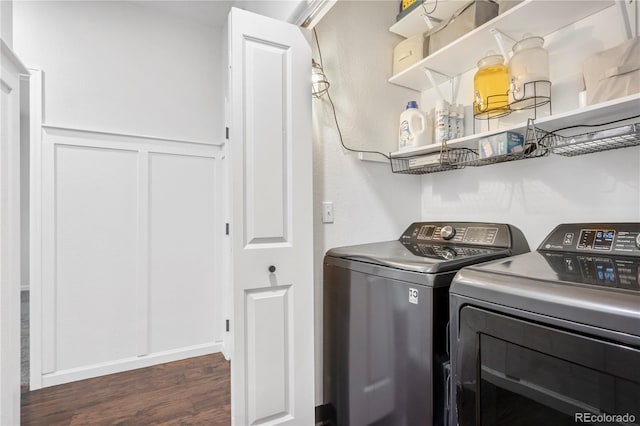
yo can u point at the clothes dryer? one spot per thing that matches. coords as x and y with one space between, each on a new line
551 337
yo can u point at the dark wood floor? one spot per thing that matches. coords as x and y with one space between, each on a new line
195 391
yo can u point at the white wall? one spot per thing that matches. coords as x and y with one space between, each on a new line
370 203
123 67
536 195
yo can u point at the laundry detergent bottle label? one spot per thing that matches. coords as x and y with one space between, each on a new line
413 130
406 137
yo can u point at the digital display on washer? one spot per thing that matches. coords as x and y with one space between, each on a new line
426 232
596 239
480 235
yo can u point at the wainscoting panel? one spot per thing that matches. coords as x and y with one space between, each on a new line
130 230
95 255
182 213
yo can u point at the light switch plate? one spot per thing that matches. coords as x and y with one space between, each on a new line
327 212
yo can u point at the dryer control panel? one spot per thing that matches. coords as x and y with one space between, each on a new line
621 239
465 233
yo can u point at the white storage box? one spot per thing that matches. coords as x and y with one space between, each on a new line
409 52
613 73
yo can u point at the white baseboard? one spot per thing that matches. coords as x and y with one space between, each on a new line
126 364
225 352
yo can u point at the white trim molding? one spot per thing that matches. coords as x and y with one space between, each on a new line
127 364
11 77
124 136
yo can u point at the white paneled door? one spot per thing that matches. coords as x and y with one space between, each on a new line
272 369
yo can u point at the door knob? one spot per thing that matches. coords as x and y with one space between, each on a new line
272 269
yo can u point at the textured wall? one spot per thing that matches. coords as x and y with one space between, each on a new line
370 203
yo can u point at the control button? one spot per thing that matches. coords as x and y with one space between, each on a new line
638 240
568 239
448 253
448 232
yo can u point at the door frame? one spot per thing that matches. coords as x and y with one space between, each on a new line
10 267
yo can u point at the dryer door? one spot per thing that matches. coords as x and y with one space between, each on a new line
511 371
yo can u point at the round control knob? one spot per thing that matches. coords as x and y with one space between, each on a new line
447 232
448 253
272 269
638 241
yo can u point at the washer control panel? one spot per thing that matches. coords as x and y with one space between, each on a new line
602 238
467 233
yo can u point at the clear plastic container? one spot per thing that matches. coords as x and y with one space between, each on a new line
491 87
528 66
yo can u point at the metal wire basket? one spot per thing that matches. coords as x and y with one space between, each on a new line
440 161
596 141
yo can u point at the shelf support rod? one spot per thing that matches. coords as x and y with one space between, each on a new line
455 88
636 13
499 37
427 21
624 15
432 79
